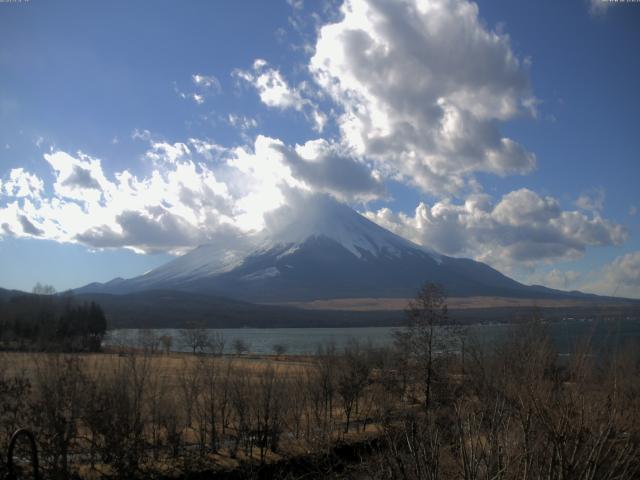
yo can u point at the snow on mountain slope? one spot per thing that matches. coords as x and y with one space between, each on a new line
328 218
321 249
204 261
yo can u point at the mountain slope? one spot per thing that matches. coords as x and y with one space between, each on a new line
323 250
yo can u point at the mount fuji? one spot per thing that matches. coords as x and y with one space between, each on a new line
323 250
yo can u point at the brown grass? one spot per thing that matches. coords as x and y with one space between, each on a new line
397 304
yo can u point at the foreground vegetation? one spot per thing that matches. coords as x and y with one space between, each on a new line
425 408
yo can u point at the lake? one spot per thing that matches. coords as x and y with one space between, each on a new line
301 341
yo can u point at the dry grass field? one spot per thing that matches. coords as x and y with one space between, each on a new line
210 412
513 411
454 303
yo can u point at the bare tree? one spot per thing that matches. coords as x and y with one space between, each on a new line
43 289
321 383
240 346
57 406
240 400
167 342
148 340
211 398
269 411
353 375
420 338
15 388
279 348
216 343
120 418
195 337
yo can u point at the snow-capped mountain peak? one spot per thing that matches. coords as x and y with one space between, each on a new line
319 248
329 219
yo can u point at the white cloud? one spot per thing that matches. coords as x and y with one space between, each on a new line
592 201
21 183
178 206
598 7
421 86
168 152
316 166
324 167
182 202
207 82
242 122
28 227
620 278
261 175
273 89
275 92
523 229
633 210
205 85
78 178
319 120
556 278
207 149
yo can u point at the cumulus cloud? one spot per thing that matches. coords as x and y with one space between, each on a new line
194 191
273 89
178 206
168 152
28 227
620 278
521 230
592 200
325 168
79 178
417 89
422 86
258 174
155 230
21 183
207 149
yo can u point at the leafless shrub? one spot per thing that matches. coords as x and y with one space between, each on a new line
58 400
195 338
240 346
119 420
352 378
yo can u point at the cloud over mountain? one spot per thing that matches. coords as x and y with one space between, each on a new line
406 100
422 86
522 228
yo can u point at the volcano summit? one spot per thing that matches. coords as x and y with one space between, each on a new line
323 251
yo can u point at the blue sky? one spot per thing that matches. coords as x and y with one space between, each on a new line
503 131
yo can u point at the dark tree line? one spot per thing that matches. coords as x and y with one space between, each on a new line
46 321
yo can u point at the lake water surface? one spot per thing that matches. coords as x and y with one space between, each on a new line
306 340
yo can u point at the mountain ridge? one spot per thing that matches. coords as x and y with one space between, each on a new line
323 250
